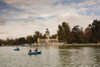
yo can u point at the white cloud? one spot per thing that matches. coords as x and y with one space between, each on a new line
86 3
2 21
53 16
28 4
74 18
22 29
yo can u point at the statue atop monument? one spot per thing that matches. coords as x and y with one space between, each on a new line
47 39
47 33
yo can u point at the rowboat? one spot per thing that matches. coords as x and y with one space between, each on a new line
16 49
34 53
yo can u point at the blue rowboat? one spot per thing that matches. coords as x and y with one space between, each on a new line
34 53
16 49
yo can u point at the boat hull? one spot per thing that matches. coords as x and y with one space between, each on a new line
16 49
34 53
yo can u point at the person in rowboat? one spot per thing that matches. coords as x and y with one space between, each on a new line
30 50
17 48
36 50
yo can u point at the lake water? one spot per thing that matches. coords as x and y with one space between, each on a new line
50 57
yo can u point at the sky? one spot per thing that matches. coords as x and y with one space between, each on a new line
20 18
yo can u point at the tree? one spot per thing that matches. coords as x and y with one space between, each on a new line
43 36
64 32
30 39
53 36
22 40
96 30
77 34
81 36
37 35
0 42
60 32
10 42
88 34
17 41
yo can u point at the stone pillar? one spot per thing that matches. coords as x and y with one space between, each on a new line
38 40
57 38
47 33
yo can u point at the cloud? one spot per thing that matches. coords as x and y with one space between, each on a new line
29 16
3 33
86 3
44 8
74 18
25 4
19 28
2 21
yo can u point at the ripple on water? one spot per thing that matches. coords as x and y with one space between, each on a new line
50 57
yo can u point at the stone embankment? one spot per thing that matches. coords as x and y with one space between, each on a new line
81 45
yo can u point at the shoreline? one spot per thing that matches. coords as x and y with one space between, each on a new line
62 45
81 45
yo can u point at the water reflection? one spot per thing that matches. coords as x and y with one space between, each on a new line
50 57
85 57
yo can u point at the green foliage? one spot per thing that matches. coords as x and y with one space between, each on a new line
37 35
77 35
96 30
30 39
0 42
88 34
22 40
53 36
43 36
81 36
64 32
10 42
60 32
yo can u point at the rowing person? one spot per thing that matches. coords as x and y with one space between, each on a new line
36 50
30 50
17 48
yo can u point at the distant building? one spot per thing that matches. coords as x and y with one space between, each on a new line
47 39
